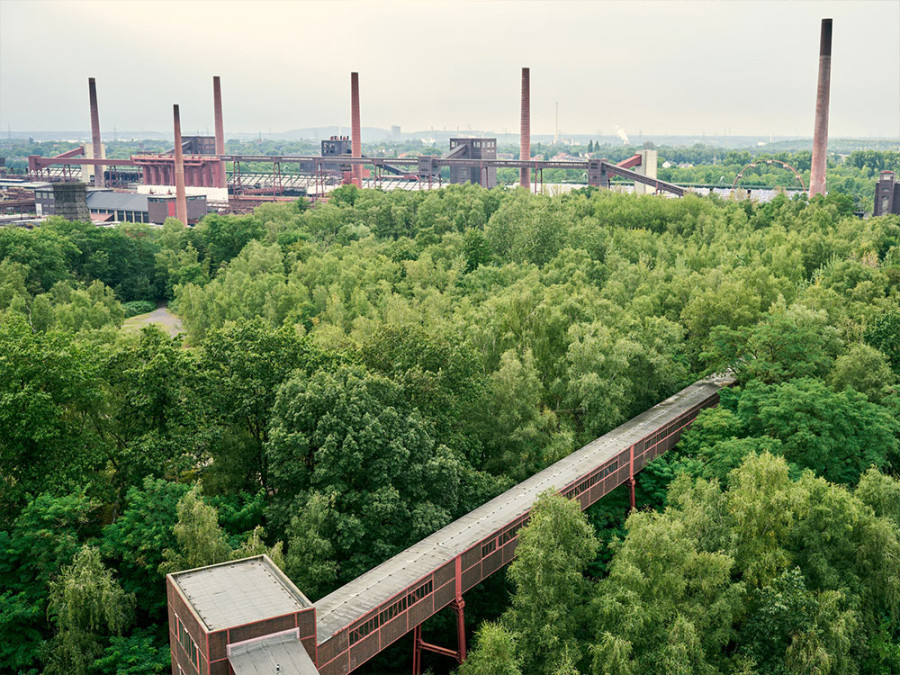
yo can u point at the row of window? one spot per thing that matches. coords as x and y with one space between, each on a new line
676 424
392 611
190 647
591 481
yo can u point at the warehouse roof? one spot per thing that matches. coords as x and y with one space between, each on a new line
107 200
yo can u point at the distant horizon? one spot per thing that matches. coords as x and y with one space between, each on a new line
297 135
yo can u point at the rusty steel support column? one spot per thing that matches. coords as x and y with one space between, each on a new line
525 127
180 195
417 650
457 605
823 94
95 132
356 130
630 480
220 130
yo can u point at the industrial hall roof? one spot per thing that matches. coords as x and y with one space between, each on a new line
116 201
240 592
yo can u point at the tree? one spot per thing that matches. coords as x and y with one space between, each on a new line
224 237
310 559
883 334
154 417
880 492
244 363
788 344
864 369
138 654
350 436
86 604
42 540
837 434
518 432
140 535
199 541
548 610
49 393
495 653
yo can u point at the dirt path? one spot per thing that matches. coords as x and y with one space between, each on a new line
161 315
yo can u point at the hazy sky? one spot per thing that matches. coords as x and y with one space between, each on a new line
652 67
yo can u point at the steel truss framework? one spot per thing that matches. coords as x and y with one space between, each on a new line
319 172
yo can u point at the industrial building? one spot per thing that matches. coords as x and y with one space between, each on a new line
68 200
236 616
160 207
887 195
337 146
474 149
122 207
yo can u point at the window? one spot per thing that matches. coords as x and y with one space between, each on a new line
591 480
187 642
363 630
391 611
510 534
488 547
420 592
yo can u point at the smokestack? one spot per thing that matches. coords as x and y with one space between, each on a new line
525 128
220 131
823 94
180 197
95 132
356 141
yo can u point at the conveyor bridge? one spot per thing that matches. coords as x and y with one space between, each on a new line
357 621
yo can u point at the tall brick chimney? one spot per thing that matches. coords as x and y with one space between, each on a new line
221 180
356 141
823 95
180 196
525 128
95 133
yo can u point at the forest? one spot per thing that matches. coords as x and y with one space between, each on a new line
354 376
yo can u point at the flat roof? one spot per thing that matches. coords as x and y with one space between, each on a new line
277 654
239 592
117 201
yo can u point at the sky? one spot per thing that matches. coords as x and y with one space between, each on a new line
663 67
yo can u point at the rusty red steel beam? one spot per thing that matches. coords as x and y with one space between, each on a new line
37 162
632 161
75 152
